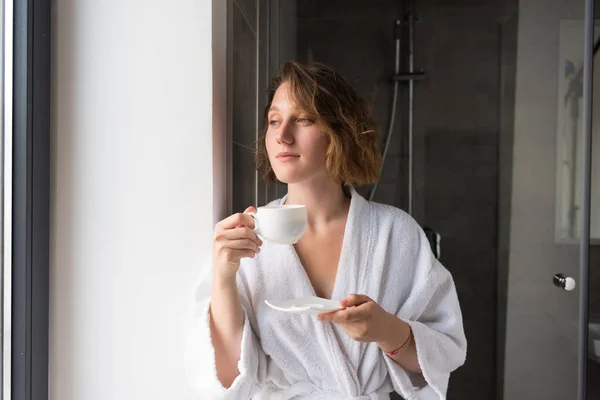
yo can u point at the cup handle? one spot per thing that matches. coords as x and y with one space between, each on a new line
256 227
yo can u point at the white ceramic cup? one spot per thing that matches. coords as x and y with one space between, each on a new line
281 224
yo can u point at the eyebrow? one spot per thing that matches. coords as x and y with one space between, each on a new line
274 108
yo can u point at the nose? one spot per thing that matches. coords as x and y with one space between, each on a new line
285 133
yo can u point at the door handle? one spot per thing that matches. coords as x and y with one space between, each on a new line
564 282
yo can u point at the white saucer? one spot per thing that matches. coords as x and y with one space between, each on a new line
310 305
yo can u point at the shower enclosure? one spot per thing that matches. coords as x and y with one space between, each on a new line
489 135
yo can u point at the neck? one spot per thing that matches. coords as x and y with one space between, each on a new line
324 201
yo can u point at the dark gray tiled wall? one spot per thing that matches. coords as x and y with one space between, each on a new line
357 40
460 200
508 74
456 138
244 103
244 80
248 9
457 119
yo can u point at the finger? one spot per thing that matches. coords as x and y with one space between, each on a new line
338 317
242 244
354 300
249 210
235 220
356 314
327 316
239 233
234 256
246 253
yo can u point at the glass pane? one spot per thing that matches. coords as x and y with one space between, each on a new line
482 103
593 365
541 354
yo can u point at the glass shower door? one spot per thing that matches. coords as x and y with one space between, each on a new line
544 200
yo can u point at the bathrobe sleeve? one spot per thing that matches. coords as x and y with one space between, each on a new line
433 312
200 354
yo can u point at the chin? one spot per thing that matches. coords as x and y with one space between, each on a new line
293 177
290 175
288 178
298 173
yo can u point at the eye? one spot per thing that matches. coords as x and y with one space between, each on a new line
273 122
305 121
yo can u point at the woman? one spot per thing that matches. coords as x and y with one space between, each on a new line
401 325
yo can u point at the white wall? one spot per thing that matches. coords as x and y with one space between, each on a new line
132 201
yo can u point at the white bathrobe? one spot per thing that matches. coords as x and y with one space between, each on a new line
386 256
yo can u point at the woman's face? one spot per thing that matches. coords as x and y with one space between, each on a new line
295 143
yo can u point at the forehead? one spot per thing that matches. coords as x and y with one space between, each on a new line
283 100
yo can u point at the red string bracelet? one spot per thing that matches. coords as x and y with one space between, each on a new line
394 352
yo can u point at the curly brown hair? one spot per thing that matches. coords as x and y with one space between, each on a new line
353 155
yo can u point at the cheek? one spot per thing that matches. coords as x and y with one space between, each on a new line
320 148
270 144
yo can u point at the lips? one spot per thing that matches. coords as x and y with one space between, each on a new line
287 156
